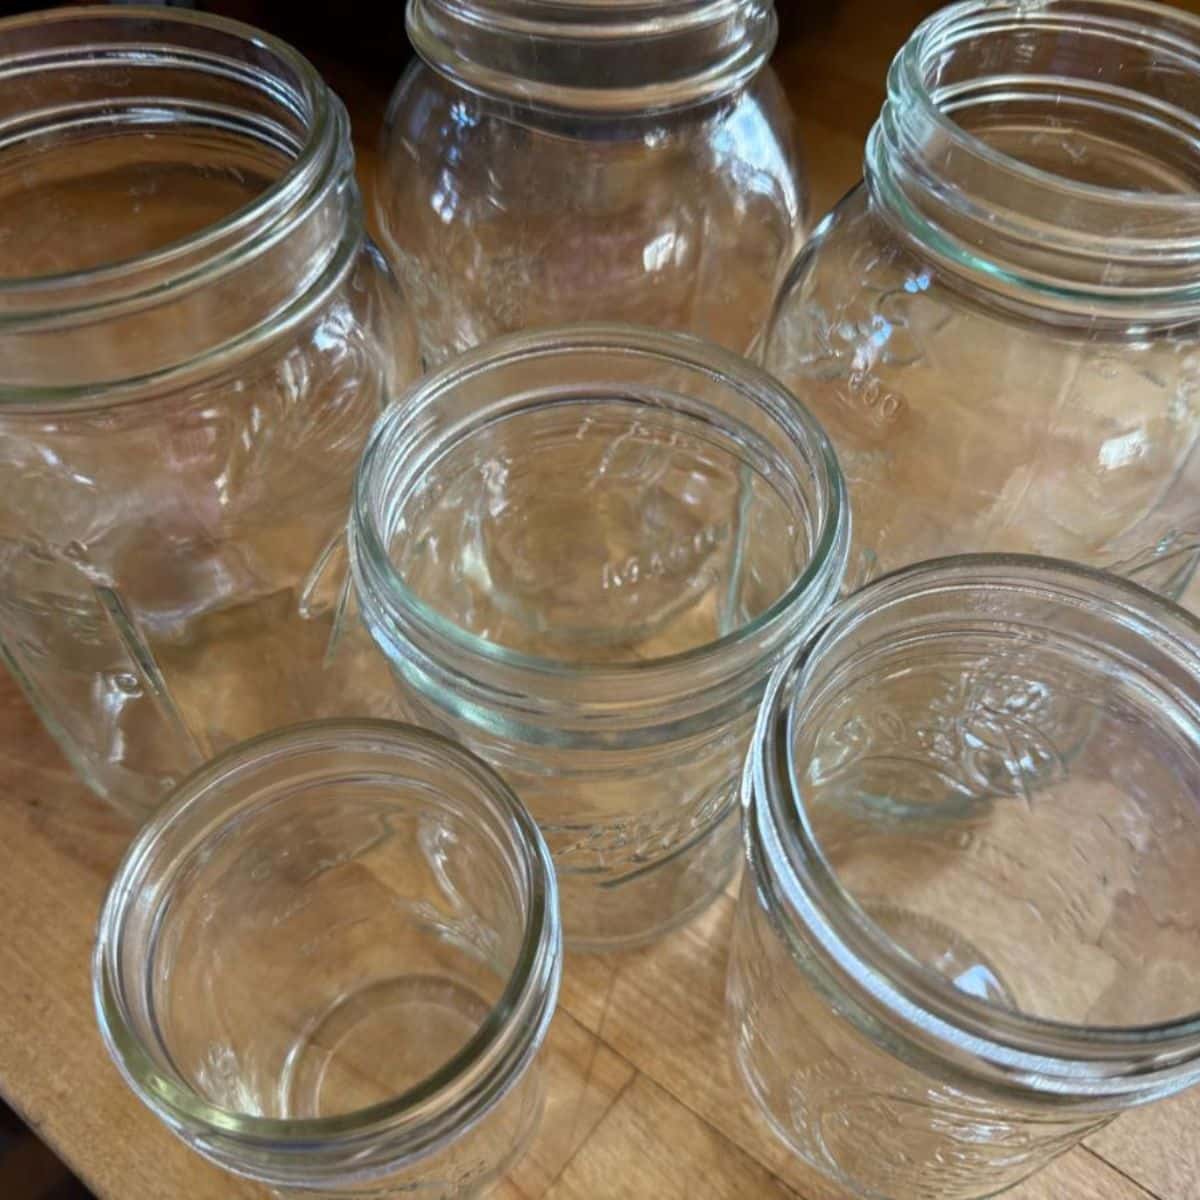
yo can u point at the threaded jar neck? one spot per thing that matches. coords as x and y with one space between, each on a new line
187 187
1048 152
557 695
601 56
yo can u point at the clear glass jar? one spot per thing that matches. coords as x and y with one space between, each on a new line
967 935
549 162
581 551
999 328
330 961
195 339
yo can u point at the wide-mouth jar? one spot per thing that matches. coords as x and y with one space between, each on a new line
195 338
999 326
582 551
329 963
965 938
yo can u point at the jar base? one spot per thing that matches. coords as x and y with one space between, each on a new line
377 1042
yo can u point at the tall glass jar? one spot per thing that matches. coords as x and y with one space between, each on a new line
1000 328
581 552
548 162
195 338
967 935
330 961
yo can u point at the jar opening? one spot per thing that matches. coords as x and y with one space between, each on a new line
606 511
149 157
978 797
336 950
596 56
1050 151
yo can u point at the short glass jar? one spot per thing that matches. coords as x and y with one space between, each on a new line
966 937
547 162
195 339
329 961
1000 329
581 551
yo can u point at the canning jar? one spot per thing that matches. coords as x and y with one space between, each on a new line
328 963
966 936
999 327
581 552
195 339
548 162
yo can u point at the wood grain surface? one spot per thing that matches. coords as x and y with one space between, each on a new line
643 1102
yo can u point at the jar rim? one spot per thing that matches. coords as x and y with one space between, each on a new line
495 48
915 115
965 19
306 177
932 1014
425 1115
382 589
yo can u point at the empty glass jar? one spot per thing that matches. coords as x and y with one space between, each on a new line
195 339
329 962
581 551
552 161
999 328
967 935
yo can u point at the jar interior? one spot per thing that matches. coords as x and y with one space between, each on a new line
122 136
335 943
1008 790
612 529
1087 92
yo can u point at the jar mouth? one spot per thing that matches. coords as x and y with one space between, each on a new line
1039 151
377 1139
411 435
918 1008
596 56
293 117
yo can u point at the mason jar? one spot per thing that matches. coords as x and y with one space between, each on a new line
966 935
1000 327
548 162
329 962
195 338
581 551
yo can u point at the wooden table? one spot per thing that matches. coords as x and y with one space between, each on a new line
643 1102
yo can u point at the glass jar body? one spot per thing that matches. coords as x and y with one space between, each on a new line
182 416
964 427
644 838
577 552
857 1113
501 217
951 962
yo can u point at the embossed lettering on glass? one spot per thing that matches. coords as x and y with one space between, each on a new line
999 328
195 340
582 551
969 933
551 161
329 964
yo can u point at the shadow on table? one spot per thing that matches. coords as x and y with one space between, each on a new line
28 1169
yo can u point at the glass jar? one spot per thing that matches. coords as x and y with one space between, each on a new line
966 937
195 339
581 551
549 162
999 327
329 963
